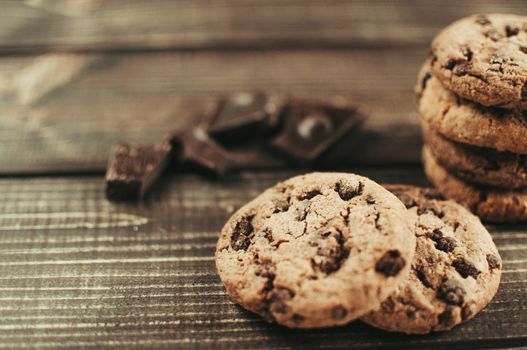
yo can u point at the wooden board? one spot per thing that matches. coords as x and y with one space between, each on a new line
79 272
63 113
37 25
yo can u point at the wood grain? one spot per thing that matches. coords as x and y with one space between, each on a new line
71 124
37 25
142 276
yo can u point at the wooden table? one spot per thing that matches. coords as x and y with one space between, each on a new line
80 272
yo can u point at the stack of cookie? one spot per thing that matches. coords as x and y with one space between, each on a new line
473 103
323 249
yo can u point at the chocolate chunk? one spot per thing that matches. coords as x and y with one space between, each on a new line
523 49
465 268
391 263
493 261
422 277
198 150
452 292
482 20
309 195
278 298
388 306
492 34
331 252
426 77
244 116
448 317
347 191
511 30
446 244
132 170
338 312
242 234
313 126
298 318
407 200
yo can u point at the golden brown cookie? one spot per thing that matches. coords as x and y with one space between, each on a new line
455 272
489 203
477 164
317 250
483 58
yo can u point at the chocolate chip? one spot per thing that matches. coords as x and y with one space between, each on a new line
492 34
452 292
331 252
370 199
391 263
523 49
468 311
388 306
465 268
338 313
448 317
278 298
467 52
309 195
298 318
426 77
493 261
422 277
446 244
451 63
347 191
511 30
410 315
482 20
242 234
430 207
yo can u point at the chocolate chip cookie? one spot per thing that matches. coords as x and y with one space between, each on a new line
466 122
489 203
455 272
317 250
477 164
483 58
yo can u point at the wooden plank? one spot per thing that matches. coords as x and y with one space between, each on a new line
77 271
31 25
62 113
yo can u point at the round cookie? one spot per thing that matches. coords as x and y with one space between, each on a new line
489 203
455 273
462 121
476 164
317 250
483 58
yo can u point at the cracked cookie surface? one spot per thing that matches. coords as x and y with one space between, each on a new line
477 164
483 58
455 272
466 122
316 250
489 203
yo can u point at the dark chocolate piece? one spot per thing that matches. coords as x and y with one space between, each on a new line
196 149
243 116
313 126
132 170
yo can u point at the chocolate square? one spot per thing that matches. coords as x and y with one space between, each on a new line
313 125
132 170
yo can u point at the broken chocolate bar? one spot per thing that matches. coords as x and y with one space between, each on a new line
132 170
243 116
314 125
197 149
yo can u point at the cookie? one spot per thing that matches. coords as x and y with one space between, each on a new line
483 58
466 122
477 164
455 272
317 250
489 203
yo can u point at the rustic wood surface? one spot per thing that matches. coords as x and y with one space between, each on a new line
79 272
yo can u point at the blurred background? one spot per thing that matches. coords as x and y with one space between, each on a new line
79 75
